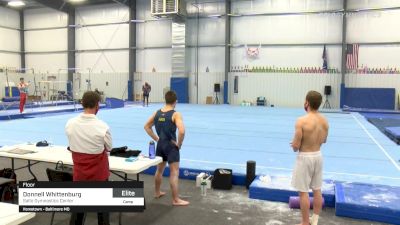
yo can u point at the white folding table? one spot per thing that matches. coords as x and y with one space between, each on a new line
54 154
10 215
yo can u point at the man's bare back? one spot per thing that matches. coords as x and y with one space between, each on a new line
315 131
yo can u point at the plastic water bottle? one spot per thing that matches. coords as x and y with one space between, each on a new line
203 187
152 150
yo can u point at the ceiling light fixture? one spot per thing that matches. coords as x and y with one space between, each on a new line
215 16
16 3
138 21
76 1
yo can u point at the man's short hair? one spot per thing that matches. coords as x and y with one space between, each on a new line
314 98
21 78
90 100
170 97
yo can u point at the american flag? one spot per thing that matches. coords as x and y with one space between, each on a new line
352 56
325 59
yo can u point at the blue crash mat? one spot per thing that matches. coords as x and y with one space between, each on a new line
393 131
367 201
279 189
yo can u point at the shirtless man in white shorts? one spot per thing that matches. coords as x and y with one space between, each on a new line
310 133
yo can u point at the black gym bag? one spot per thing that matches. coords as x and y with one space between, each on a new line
222 179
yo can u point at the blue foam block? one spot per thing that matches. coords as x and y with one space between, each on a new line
370 98
279 189
181 86
11 99
367 201
393 131
191 174
115 103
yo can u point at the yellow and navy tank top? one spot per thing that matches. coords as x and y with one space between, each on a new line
165 127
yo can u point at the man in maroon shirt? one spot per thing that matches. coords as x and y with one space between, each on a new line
89 141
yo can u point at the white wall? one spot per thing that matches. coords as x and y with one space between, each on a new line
12 60
41 45
111 84
366 4
103 36
106 61
205 86
296 56
373 27
9 38
205 7
211 57
278 6
158 81
294 29
282 90
379 56
159 59
154 41
53 63
152 34
211 31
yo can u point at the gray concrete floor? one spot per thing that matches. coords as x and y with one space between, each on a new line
217 208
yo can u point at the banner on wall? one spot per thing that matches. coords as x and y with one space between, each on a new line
252 53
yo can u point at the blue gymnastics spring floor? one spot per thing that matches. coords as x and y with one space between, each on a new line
227 136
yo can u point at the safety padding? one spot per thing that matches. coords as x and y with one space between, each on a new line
181 86
367 201
279 189
114 103
370 98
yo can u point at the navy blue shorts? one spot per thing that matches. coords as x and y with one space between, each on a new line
168 151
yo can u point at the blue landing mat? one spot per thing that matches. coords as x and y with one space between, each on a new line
191 174
393 133
366 110
387 125
15 105
365 201
32 112
279 189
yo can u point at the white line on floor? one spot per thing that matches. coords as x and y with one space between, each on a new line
288 169
377 143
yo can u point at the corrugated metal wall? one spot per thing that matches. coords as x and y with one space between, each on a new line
205 87
282 90
159 83
111 84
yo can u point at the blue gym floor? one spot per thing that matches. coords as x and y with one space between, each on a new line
227 136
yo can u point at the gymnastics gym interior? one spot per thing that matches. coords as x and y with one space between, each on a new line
241 70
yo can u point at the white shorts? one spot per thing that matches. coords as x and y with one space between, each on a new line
307 173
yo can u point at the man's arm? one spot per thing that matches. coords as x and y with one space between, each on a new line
326 131
148 127
108 141
181 129
298 135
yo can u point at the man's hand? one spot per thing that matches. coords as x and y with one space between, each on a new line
294 149
176 144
